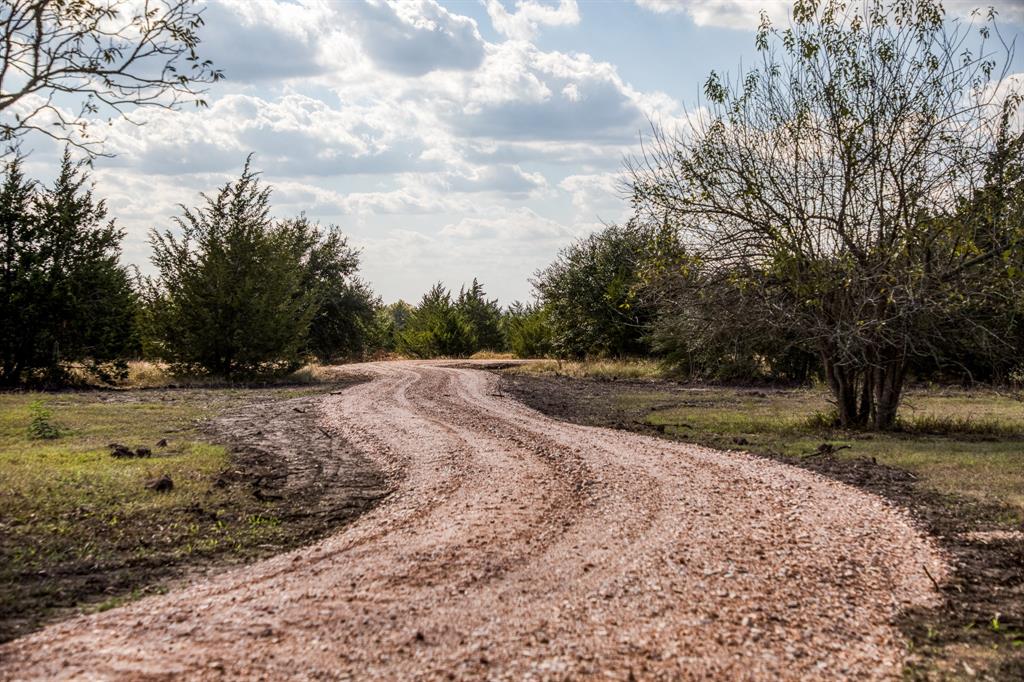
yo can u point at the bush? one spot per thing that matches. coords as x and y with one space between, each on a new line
528 330
233 295
592 294
436 328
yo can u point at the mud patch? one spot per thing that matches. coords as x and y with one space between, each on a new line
282 454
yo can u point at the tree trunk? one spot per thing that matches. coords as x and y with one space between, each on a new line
888 389
842 380
866 396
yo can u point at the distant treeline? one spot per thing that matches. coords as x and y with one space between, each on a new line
239 294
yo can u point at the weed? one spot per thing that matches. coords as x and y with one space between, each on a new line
822 420
40 427
954 425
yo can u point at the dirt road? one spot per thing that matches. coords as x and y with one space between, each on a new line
518 547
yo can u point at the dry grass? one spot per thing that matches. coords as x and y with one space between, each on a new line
594 369
492 355
144 374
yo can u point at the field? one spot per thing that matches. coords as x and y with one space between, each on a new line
956 462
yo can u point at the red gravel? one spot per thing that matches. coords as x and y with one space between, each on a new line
519 547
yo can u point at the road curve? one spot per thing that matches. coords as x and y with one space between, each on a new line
519 547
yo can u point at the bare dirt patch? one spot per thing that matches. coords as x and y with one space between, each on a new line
282 454
73 546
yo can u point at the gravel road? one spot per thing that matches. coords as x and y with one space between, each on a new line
518 547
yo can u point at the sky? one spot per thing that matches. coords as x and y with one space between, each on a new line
448 139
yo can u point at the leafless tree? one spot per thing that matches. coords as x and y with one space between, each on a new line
66 63
831 188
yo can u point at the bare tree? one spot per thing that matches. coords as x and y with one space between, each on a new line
831 188
64 63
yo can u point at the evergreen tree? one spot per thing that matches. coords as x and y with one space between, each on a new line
436 328
483 317
343 325
233 294
63 296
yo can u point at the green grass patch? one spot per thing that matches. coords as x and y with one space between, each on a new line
79 527
960 442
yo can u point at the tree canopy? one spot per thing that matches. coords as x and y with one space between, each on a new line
834 188
64 297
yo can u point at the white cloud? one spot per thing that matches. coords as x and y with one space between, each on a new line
745 15
265 41
596 195
737 14
507 179
410 200
529 16
293 134
520 224
523 93
414 37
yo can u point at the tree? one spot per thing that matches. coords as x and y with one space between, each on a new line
346 309
483 317
528 330
389 322
233 295
591 293
64 298
825 186
436 328
95 56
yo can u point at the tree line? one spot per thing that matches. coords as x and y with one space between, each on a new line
850 208
236 293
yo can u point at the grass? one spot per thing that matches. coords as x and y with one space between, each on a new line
961 442
594 369
80 527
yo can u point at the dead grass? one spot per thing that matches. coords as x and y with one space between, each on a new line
492 355
145 374
594 369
